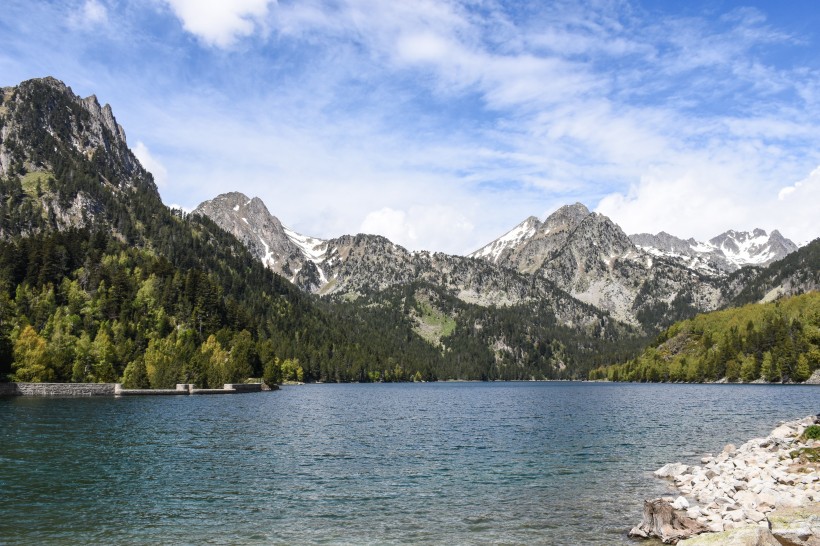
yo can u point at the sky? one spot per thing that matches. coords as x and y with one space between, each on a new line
443 124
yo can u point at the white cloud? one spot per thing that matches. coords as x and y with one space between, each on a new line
419 228
93 13
705 202
220 22
151 164
797 211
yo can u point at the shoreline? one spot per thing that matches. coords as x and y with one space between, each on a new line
767 485
115 390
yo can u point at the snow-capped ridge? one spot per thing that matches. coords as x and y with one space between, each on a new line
719 255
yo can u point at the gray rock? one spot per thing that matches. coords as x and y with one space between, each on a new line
742 536
796 526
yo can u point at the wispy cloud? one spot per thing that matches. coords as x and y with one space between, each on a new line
444 123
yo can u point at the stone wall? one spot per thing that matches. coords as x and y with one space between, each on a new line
114 389
57 389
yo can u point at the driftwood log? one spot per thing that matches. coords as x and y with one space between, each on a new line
661 520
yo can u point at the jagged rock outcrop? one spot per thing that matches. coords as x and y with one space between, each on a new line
43 119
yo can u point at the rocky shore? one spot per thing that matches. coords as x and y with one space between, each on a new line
766 491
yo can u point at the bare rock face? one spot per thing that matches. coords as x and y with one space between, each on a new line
661 520
46 111
285 252
796 526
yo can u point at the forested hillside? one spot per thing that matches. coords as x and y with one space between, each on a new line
99 281
773 342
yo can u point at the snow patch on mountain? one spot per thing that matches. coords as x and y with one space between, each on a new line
314 249
523 231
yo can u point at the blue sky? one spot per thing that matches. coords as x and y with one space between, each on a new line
442 124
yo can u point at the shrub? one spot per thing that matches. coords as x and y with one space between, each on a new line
812 433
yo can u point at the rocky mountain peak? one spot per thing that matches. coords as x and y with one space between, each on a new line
567 217
43 120
286 252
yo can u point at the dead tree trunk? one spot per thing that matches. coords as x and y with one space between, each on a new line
662 521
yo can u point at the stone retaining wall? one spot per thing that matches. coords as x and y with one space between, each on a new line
115 389
57 389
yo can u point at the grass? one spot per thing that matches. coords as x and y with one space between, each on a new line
432 324
30 181
806 455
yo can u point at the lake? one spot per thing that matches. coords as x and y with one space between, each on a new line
436 463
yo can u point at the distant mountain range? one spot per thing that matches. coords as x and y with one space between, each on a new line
723 254
646 280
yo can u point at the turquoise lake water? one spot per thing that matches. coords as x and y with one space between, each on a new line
439 463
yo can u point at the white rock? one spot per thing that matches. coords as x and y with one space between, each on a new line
680 503
671 470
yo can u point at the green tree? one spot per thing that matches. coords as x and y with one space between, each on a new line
160 363
802 371
749 370
768 369
31 362
135 376
104 354
243 357
83 360
215 360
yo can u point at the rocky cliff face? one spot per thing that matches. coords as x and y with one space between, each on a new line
279 248
47 133
43 120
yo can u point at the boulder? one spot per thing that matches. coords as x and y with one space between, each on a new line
742 536
671 470
796 526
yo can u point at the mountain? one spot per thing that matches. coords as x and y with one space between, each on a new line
797 273
591 258
721 255
99 281
284 251
351 266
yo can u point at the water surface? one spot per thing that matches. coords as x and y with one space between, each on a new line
440 463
